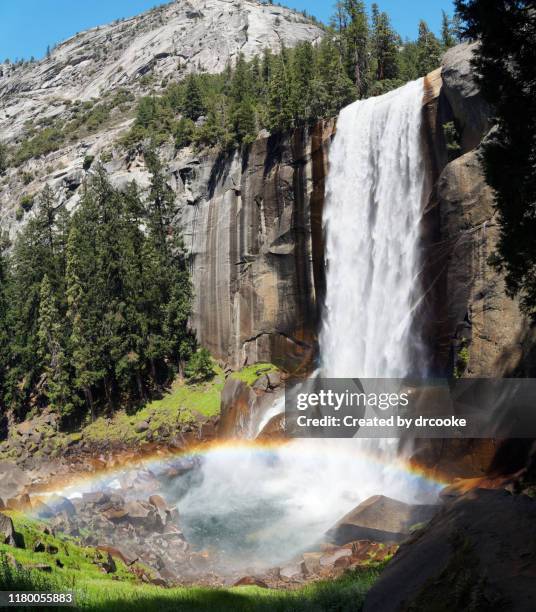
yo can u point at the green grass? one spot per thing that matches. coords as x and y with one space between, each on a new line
178 405
250 373
100 592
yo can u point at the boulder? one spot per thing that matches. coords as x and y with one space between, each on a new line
251 581
160 504
20 502
95 498
125 554
469 108
479 548
311 562
267 381
293 571
115 514
380 519
332 557
141 427
39 547
7 530
61 505
137 510
274 429
26 428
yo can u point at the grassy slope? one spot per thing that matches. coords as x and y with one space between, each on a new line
181 404
178 405
122 590
249 374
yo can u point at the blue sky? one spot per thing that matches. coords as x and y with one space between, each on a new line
28 26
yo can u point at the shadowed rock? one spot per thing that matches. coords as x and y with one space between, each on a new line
7 530
483 540
380 519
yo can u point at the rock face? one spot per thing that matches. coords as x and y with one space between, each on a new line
249 223
475 328
480 317
166 42
480 331
483 540
380 519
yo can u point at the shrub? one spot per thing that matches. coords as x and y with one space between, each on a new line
26 203
47 140
200 366
462 360
3 159
452 140
88 160
27 178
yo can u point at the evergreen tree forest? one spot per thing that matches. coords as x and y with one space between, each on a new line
94 307
361 55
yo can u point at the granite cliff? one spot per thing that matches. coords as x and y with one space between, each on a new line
252 219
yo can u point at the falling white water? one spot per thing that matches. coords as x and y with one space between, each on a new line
372 215
373 208
374 198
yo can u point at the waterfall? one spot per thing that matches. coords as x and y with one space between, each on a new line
265 505
374 197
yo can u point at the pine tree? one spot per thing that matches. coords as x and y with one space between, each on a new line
256 78
83 289
332 88
428 50
167 280
385 46
242 112
266 68
447 36
35 254
51 348
302 73
3 159
241 85
279 112
193 106
200 366
147 110
244 122
354 31
161 205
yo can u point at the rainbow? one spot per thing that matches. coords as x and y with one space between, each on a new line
236 449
